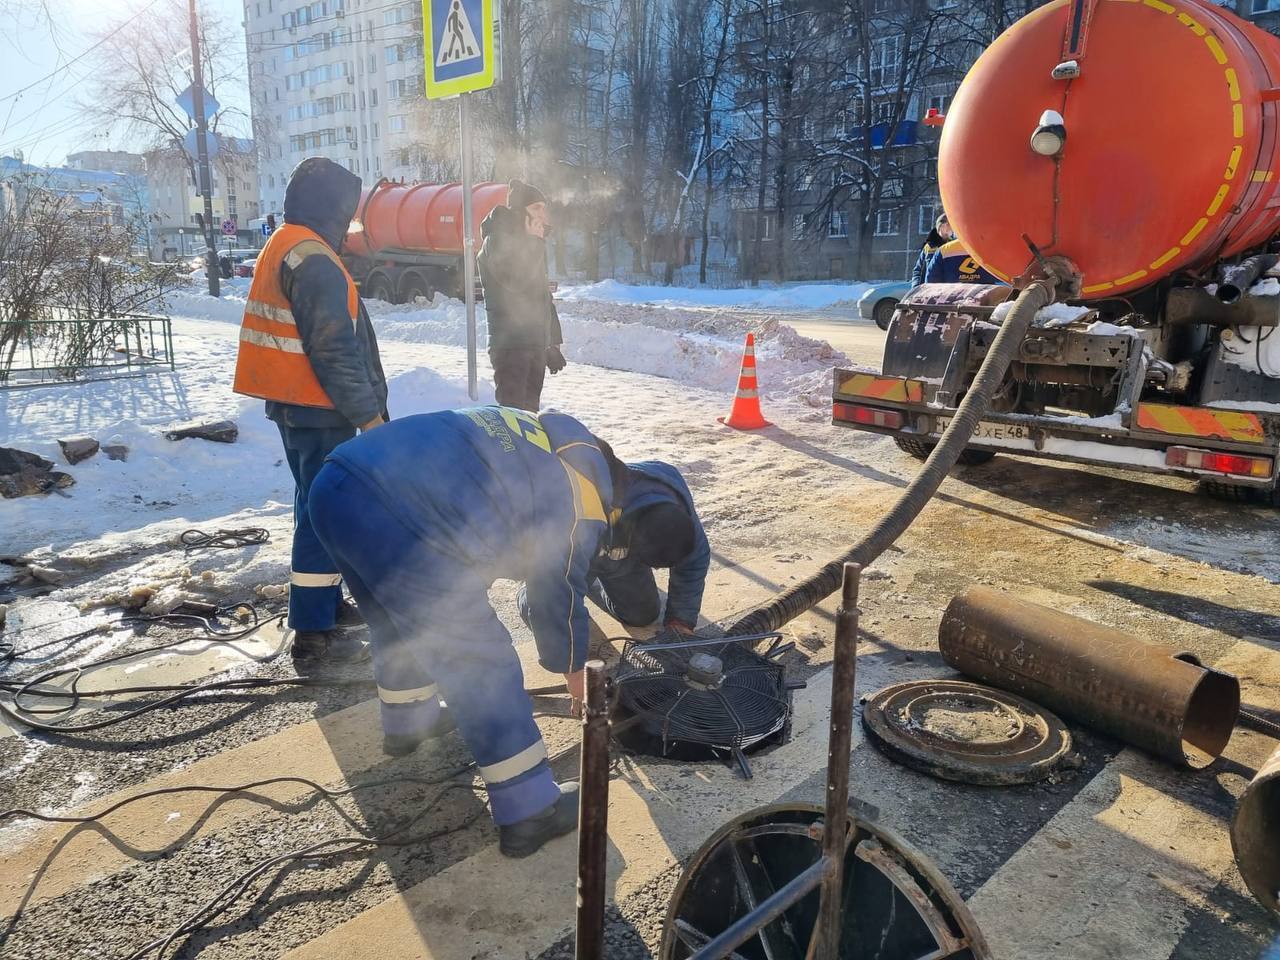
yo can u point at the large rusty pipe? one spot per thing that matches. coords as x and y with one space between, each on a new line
1255 835
1144 694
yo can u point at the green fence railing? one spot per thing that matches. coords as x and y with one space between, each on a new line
68 349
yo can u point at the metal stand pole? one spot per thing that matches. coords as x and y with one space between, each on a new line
825 943
202 151
468 242
593 816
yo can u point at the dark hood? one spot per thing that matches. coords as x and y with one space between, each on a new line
322 196
935 239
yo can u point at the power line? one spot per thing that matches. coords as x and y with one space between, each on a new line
81 55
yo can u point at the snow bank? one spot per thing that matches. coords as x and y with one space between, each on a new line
700 347
795 296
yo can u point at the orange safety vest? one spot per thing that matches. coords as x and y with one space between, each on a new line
272 364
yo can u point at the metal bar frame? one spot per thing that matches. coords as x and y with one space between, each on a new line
133 362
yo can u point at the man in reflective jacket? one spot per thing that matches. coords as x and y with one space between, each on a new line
307 347
422 516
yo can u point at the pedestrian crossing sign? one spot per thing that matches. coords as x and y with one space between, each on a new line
460 55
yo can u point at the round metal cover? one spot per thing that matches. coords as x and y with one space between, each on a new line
896 905
965 731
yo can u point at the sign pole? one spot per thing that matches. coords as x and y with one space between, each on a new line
468 242
202 150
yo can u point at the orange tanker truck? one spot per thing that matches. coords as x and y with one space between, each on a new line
405 241
1140 140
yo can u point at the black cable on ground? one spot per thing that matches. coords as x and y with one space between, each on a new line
789 604
1255 721
225 539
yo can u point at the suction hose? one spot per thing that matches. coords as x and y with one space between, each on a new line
787 606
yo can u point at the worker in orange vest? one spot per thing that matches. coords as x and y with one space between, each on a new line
307 347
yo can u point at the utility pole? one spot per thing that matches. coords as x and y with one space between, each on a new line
202 151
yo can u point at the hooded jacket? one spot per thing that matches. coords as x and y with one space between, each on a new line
651 482
513 273
931 245
322 196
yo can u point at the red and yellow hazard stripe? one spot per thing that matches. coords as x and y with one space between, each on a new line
872 387
1200 422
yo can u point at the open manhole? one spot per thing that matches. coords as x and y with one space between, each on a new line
965 731
700 698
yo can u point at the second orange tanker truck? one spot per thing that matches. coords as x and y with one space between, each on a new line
1141 141
406 239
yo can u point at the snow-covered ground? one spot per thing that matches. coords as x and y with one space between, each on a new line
789 296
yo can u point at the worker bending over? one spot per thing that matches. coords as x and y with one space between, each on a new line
307 347
655 525
422 516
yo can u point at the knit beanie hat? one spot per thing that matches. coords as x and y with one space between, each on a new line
521 195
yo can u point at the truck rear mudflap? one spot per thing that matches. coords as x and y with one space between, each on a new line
1239 447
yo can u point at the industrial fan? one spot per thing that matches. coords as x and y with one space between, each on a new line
716 695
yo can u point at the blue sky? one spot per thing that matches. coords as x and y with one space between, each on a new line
44 122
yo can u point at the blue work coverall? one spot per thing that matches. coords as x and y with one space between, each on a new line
951 263
421 516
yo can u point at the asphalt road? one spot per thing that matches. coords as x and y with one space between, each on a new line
860 340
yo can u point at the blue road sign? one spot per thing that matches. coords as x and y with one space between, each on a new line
186 100
192 145
460 55
266 229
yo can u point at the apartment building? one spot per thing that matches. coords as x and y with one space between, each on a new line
176 206
339 78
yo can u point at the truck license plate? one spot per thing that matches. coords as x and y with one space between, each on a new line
986 430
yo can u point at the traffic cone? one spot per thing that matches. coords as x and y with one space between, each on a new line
746 414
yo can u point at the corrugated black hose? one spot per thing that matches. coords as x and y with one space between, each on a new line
790 604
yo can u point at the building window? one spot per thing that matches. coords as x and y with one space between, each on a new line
886 57
397 124
713 229
925 217
1265 6
942 101
374 128
373 97
838 225
807 127
797 226
886 223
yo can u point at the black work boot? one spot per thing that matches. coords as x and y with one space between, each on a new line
349 614
313 648
526 837
403 744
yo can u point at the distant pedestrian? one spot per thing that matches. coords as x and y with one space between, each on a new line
524 329
307 347
940 234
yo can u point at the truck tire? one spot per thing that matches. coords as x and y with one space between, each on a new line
882 312
415 285
378 287
920 449
1237 494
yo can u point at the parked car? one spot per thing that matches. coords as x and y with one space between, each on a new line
880 300
245 267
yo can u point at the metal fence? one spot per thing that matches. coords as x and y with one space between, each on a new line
68 349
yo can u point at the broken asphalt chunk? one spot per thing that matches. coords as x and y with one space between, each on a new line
223 431
78 448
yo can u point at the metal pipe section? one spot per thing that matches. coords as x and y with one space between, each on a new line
1255 835
593 816
1239 277
790 604
835 829
759 918
1144 694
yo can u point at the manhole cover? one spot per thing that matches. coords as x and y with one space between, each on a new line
965 731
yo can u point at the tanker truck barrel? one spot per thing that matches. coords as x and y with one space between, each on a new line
417 217
1163 154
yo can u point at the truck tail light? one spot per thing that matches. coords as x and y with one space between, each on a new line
1235 464
871 416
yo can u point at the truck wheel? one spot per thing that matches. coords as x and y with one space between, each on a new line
415 287
1237 494
920 449
882 312
378 287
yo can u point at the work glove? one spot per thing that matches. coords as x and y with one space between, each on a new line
555 359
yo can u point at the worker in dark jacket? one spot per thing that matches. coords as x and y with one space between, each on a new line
307 347
952 263
524 329
520 497
940 234
654 525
